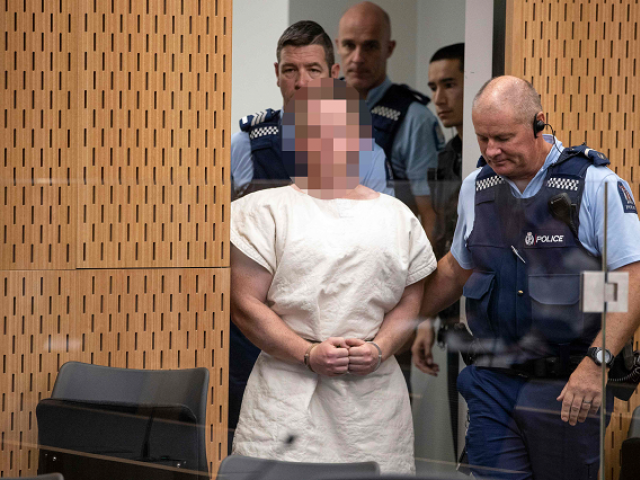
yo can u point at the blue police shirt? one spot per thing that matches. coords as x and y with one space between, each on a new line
372 166
417 141
623 226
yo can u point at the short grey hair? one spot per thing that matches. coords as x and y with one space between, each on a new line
520 95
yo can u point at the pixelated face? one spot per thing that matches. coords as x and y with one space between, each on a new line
506 143
446 82
299 65
364 49
327 137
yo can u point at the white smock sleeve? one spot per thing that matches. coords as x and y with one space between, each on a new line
253 230
422 260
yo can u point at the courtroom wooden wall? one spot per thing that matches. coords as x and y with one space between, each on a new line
582 57
114 198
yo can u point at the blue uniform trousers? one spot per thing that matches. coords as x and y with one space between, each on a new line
515 431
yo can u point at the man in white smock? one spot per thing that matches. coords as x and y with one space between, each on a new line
326 278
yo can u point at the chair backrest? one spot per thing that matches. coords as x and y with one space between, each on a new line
152 416
239 467
84 382
634 426
630 450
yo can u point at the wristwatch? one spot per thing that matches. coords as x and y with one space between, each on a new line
597 354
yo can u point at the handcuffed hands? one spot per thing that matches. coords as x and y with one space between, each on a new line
337 356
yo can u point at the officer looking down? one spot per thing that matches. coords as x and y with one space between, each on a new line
531 219
304 53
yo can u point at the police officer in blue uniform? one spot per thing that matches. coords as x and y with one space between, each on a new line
304 52
531 219
403 126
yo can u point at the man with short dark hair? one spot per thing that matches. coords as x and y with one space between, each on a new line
304 53
531 220
446 81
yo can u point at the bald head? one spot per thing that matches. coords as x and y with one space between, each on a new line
364 44
371 13
507 92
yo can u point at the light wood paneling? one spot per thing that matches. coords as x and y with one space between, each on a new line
37 177
114 152
142 318
582 57
153 101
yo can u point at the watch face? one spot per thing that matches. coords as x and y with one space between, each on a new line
603 356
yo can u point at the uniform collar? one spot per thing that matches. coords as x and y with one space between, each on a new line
554 154
376 93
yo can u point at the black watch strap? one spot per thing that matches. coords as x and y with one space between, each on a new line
597 354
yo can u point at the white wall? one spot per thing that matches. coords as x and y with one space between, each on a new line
257 26
477 70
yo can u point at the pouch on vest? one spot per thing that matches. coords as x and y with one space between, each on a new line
477 291
553 307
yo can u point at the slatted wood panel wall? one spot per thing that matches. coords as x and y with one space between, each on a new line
582 57
114 121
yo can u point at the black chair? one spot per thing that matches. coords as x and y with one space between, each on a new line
104 422
630 452
239 467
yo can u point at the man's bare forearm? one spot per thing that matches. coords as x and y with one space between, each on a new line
443 287
265 329
399 323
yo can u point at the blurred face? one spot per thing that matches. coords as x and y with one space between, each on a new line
299 65
446 82
328 140
506 144
332 141
364 48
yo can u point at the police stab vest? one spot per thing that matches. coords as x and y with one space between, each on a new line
525 287
264 129
387 115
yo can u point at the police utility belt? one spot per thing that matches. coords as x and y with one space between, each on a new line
623 378
482 353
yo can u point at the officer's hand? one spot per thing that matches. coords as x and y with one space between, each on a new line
330 358
421 349
582 395
363 356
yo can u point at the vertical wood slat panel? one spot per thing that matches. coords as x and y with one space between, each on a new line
62 166
143 318
38 191
582 58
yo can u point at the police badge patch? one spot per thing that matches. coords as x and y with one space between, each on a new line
628 204
528 240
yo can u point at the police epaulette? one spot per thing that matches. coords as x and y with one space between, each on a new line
250 121
595 157
420 97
